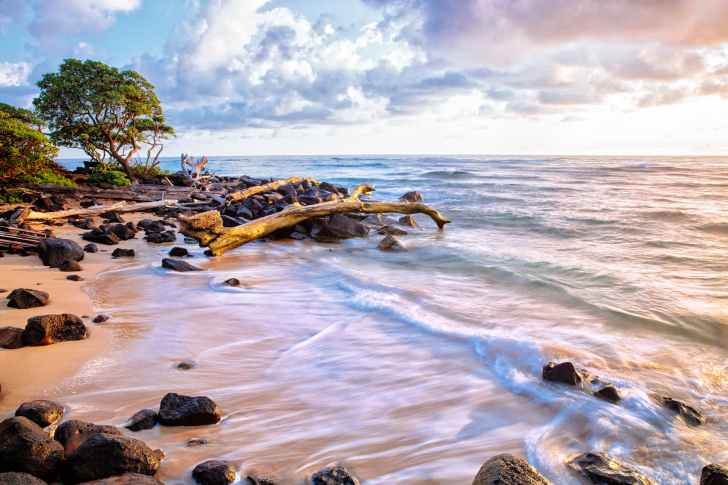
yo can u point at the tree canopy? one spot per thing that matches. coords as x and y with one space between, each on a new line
109 114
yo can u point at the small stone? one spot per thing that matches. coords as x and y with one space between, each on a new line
258 480
68 265
91 248
11 338
333 476
714 474
42 413
189 240
101 318
179 252
198 442
144 419
601 468
390 243
609 393
214 472
565 373
177 265
24 298
74 277
185 365
123 253
233 282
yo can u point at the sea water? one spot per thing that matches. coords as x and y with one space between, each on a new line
416 367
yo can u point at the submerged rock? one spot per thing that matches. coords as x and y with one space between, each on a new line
185 365
413 196
179 252
691 415
73 433
178 410
601 468
14 478
565 373
107 455
507 469
333 475
177 265
233 282
392 231
123 253
126 479
198 442
24 298
341 227
390 243
101 318
24 447
54 250
408 221
42 413
50 329
161 237
609 393
214 472
258 480
144 419
11 338
714 474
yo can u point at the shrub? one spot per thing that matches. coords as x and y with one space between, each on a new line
110 177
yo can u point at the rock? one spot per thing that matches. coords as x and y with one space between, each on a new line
408 221
68 265
228 221
102 237
50 329
177 410
378 220
214 472
122 232
144 419
101 318
233 282
185 365
24 447
161 237
601 468
392 231
244 213
565 373
91 248
54 250
341 227
691 415
107 455
13 478
23 298
413 196
609 393
123 253
11 338
42 413
298 236
507 469
712 474
86 224
149 225
126 479
258 480
113 216
176 265
73 433
333 475
179 252
390 243
74 277
189 240
88 203
198 442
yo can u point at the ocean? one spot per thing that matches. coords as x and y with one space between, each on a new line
416 367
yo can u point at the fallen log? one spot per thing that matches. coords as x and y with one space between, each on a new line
263 189
207 228
98 209
139 193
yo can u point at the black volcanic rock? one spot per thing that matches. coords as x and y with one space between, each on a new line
600 468
178 410
42 413
24 447
214 472
54 250
507 469
565 373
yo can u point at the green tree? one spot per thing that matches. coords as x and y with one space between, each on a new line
26 153
103 111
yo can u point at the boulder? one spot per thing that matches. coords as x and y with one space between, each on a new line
42 413
244 213
144 419
507 469
91 248
392 231
68 266
609 393
73 433
341 227
712 474
101 318
601 468
161 237
54 250
691 415
149 225
123 232
23 298
378 220
413 196
50 329
177 410
565 373
13 478
74 277
214 472
179 252
127 479
107 455
408 221
24 447
101 237
333 475
176 265
390 243
123 253
327 187
258 480
11 338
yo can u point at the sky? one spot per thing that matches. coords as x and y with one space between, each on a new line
299 77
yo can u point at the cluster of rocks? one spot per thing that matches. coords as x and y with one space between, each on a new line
567 373
44 330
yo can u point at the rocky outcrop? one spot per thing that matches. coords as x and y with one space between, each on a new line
144 419
601 468
565 373
413 196
68 266
72 434
50 329
507 469
54 250
178 410
178 252
13 478
391 243
341 227
11 338
214 472
23 298
42 413
126 479
107 455
609 393
333 475
176 265
24 447
691 415
714 474
123 253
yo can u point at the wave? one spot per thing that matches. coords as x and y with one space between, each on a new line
719 228
444 174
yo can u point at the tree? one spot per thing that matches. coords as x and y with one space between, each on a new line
26 153
103 111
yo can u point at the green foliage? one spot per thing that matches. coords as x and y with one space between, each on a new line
103 111
112 177
10 196
142 171
26 154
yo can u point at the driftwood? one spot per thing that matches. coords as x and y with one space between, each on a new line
196 169
98 209
207 228
139 193
264 189
22 238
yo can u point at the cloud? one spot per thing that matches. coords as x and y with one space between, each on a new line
14 74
